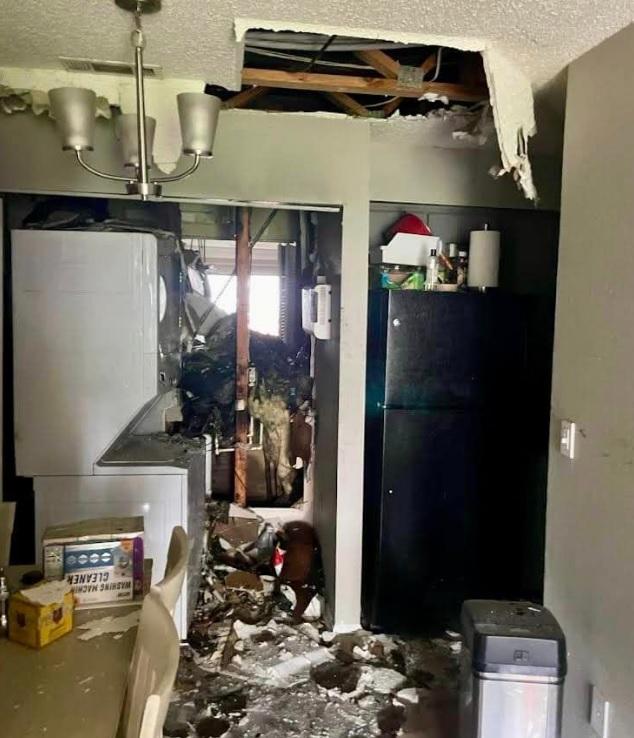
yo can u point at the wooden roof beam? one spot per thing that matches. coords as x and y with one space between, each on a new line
244 98
380 61
359 85
426 66
348 104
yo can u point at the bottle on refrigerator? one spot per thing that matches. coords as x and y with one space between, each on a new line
449 265
462 270
431 279
453 256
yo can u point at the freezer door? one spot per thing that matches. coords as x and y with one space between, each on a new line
426 548
451 350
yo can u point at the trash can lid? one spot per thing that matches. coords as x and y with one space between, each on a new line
513 638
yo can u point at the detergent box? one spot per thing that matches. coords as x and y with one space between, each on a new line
102 559
40 615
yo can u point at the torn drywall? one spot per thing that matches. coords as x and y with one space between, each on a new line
512 102
455 127
15 100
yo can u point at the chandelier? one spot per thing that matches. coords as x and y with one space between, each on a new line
74 110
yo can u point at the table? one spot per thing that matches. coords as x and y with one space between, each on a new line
68 689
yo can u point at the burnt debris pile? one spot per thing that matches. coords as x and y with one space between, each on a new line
257 666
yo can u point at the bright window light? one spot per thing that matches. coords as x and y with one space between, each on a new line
264 300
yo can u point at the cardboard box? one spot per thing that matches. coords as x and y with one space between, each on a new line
101 571
37 623
409 249
102 559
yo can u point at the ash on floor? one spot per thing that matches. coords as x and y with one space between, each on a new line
251 671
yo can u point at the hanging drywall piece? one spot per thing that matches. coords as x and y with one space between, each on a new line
510 90
512 102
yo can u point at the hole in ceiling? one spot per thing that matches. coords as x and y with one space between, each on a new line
305 72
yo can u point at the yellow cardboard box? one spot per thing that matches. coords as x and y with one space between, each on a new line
35 624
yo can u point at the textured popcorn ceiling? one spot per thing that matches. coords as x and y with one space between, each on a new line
196 38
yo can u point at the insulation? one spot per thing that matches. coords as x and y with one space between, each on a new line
17 100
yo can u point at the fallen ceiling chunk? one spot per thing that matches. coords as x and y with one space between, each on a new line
48 593
109 625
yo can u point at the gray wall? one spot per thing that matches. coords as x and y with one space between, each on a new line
327 405
590 521
455 177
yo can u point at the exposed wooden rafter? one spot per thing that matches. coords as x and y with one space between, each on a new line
380 61
245 98
348 104
243 276
426 66
359 85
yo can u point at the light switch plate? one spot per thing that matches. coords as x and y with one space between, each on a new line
600 714
567 438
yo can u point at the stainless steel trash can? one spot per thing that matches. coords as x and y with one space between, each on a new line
512 672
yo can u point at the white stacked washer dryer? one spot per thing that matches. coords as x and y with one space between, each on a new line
89 311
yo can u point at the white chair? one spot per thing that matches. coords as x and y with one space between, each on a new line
7 516
152 672
169 588
152 724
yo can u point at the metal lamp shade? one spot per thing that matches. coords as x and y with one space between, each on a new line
198 115
128 135
74 110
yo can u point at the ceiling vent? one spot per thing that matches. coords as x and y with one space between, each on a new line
98 66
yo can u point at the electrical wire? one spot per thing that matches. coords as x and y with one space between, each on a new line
316 57
307 42
382 103
438 62
296 57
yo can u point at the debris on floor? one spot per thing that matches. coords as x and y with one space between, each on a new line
254 669
109 625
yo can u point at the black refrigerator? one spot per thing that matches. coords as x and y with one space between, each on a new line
448 400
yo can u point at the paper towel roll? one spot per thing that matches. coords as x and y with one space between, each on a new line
484 259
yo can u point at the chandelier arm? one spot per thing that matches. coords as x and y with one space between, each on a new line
103 175
182 175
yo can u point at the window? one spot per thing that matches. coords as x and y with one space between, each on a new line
264 300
